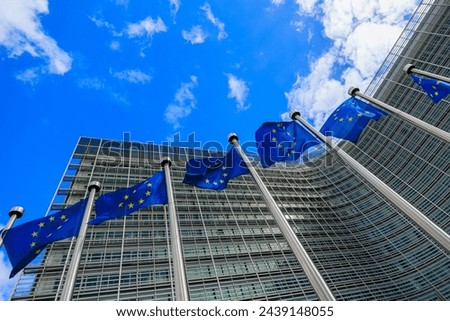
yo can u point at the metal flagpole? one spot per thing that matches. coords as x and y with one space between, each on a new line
15 213
71 277
410 68
439 133
181 288
300 253
439 235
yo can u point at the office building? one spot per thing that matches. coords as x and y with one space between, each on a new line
363 246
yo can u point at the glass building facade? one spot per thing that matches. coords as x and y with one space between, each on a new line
363 246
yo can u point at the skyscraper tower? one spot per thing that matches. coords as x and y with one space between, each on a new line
364 247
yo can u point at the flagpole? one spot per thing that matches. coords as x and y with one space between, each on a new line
410 68
15 213
439 235
181 286
439 133
313 275
69 283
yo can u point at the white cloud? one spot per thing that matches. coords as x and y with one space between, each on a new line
102 23
195 36
134 76
114 45
6 284
92 83
367 56
298 25
342 16
306 6
30 76
215 21
363 32
183 103
147 27
238 90
107 25
21 32
174 7
277 2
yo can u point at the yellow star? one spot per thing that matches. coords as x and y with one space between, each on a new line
360 115
130 205
221 181
134 191
41 224
274 139
280 146
37 251
215 183
274 130
341 119
120 204
141 201
224 168
149 184
224 174
33 244
63 217
207 181
126 197
34 234
350 119
148 193
51 218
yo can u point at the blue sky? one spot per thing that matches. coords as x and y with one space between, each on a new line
161 67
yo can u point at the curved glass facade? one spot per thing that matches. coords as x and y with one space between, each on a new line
364 247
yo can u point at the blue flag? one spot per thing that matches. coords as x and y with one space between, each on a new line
24 242
282 141
350 119
125 201
436 89
214 172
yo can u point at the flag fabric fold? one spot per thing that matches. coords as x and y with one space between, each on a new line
435 89
214 172
282 141
349 120
24 242
125 201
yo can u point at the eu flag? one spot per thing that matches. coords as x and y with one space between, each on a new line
125 201
350 119
282 141
436 89
24 242
214 172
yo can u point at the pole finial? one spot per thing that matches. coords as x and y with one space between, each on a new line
408 68
166 160
294 113
17 211
352 91
94 184
232 136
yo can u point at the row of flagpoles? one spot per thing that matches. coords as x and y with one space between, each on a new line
277 142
